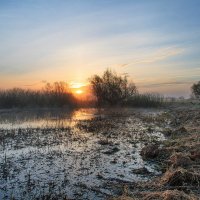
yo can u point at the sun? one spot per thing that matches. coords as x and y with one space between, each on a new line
79 91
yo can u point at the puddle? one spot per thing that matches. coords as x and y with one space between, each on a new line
83 154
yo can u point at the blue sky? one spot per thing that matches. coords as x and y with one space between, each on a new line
157 43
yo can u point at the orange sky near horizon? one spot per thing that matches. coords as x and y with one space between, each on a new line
143 86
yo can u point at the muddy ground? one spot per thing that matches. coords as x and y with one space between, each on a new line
179 157
107 154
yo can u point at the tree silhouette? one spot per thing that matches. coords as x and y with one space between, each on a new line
196 90
111 88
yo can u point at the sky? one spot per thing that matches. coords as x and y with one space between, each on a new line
156 43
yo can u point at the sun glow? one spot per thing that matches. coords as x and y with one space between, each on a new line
79 91
77 85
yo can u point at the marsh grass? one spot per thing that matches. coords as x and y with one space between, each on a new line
19 98
146 100
181 177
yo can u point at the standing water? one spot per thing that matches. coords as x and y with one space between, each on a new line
81 154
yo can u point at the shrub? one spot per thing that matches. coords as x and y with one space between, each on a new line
196 90
111 88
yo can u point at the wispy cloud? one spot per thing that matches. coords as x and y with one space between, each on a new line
161 54
173 83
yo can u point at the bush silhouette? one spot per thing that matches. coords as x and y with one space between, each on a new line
111 88
196 90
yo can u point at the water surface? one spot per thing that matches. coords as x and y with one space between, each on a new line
83 154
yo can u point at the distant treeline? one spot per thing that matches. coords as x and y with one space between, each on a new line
110 89
53 95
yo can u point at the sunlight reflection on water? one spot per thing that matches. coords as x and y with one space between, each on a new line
44 118
40 118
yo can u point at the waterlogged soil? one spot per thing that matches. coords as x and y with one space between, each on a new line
82 154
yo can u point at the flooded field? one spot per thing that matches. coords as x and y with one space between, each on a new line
81 154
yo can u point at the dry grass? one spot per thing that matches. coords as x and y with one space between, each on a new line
169 195
180 177
123 197
97 124
180 160
154 151
150 151
180 154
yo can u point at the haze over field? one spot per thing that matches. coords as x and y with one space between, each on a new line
157 43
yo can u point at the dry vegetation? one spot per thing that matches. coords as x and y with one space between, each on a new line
179 156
